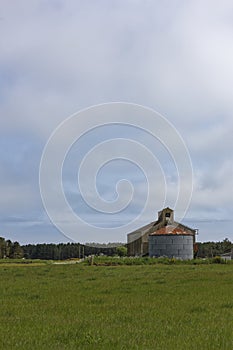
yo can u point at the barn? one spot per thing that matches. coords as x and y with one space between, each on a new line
163 237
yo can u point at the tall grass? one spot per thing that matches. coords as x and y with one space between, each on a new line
114 261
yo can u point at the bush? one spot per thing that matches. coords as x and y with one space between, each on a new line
121 251
218 260
117 261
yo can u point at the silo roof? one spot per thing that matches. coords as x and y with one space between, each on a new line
171 230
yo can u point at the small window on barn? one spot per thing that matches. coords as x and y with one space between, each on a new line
168 215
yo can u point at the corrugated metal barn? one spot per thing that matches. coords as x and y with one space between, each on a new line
163 237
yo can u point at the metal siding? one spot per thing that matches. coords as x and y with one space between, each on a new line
180 247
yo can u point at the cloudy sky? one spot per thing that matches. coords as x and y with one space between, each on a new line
59 57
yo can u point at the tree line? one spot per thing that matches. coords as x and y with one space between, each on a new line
211 249
10 249
62 251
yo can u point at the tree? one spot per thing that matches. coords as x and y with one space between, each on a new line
2 247
16 251
121 250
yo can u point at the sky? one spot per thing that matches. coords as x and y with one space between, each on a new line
61 57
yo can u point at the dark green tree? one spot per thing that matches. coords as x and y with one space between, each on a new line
121 251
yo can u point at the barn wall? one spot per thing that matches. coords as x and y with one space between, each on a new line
139 247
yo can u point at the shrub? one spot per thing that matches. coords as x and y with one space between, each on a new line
218 260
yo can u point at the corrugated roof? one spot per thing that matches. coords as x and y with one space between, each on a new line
140 231
171 230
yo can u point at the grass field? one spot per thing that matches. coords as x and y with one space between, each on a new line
116 307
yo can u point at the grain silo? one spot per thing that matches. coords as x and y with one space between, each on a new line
171 242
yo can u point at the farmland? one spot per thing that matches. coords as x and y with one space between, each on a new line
46 306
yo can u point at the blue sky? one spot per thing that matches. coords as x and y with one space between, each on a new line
58 57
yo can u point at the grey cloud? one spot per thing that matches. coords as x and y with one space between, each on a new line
57 57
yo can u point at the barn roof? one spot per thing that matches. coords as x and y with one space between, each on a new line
162 226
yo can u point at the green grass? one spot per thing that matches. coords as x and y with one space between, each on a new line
13 262
116 260
116 307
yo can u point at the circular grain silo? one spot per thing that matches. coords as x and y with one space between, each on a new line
171 242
